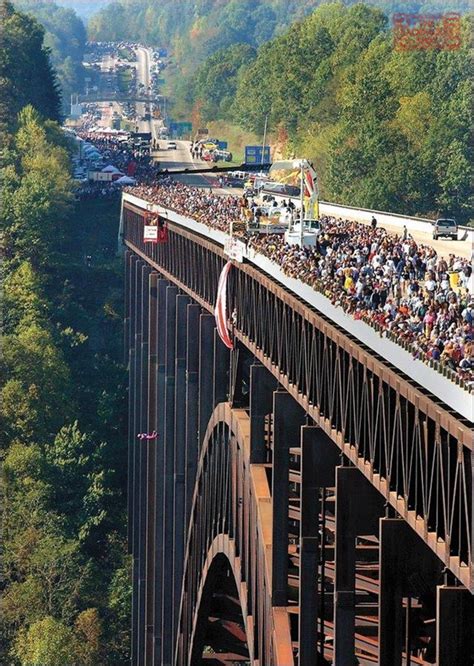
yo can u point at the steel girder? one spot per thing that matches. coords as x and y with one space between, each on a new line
404 448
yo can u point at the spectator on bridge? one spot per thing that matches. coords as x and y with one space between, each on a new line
389 281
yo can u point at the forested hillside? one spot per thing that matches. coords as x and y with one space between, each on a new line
386 129
64 573
195 29
65 36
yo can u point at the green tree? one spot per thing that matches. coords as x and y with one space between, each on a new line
26 75
47 642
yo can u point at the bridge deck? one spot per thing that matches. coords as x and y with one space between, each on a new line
454 397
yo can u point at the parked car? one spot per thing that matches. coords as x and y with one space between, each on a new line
445 227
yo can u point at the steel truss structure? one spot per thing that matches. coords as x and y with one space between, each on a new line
303 503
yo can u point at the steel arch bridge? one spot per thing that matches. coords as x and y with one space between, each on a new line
302 503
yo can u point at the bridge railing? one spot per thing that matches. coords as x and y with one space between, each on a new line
411 447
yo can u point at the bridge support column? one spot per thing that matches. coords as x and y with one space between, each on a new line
220 379
319 458
182 302
393 533
358 508
138 298
262 386
454 626
206 357
150 473
168 471
130 335
142 446
406 563
191 416
288 417
160 324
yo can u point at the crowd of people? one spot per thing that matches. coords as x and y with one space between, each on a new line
403 288
122 155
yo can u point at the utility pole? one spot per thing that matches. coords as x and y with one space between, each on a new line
301 204
264 138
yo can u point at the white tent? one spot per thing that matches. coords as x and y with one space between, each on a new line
125 180
110 169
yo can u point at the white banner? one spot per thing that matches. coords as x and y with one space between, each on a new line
235 249
150 233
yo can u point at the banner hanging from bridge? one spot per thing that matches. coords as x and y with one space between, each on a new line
221 307
155 230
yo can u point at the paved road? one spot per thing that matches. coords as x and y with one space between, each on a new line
144 62
181 159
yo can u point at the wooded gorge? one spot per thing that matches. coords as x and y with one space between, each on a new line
65 571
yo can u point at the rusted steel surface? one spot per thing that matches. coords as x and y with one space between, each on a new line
239 527
296 507
412 449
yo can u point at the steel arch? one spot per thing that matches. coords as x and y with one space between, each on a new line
236 522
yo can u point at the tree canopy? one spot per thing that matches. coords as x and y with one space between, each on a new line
386 129
26 74
65 571
65 38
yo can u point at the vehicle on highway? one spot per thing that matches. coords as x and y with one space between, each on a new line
235 179
224 155
272 187
445 227
172 145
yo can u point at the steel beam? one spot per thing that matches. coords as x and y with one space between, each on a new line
137 654
142 446
151 470
394 538
262 386
168 472
160 323
130 327
191 411
454 626
309 548
288 417
220 378
182 302
358 508
319 458
206 357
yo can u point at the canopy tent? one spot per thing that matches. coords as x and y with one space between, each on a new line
110 169
126 180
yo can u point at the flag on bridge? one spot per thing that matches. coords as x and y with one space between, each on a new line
221 307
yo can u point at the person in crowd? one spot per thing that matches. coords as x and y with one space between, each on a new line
403 288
